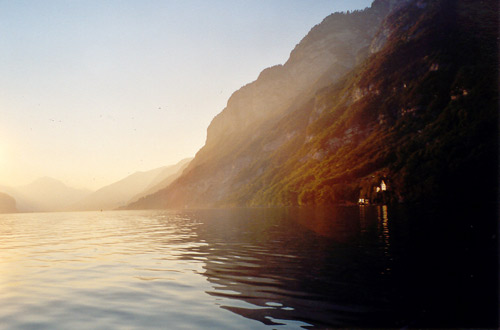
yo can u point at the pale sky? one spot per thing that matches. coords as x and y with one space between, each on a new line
92 91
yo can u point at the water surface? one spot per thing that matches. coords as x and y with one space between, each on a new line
244 268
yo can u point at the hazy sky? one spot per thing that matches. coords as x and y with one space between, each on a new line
91 91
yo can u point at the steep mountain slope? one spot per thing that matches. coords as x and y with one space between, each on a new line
7 204
330 50
166 177
121 192
419 113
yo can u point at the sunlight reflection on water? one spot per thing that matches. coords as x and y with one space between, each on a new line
151 269
248 269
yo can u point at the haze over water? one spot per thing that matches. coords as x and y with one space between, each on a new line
248 269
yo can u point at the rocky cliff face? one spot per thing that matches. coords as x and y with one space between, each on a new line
377 94
322 57
7 204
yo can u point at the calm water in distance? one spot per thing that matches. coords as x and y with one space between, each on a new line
246 269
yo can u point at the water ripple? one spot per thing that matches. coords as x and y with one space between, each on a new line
239 269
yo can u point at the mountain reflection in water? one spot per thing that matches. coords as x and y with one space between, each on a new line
367 266
348 266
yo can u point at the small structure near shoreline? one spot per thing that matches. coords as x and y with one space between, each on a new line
383 186
375 193
363 201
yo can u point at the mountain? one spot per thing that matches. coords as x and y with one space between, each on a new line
7 204
330 50
21 204
396 103
45 194
130 188
166 177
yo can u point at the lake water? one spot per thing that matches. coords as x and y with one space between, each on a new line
248 269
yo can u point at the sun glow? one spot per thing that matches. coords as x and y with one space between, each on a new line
89 85
3 155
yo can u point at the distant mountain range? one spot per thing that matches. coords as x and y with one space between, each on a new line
44 194
48 194
403 93
7 204
130 188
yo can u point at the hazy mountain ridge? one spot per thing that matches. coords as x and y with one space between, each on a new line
130 188
7 204
166 177
416 113
48 195
44 195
